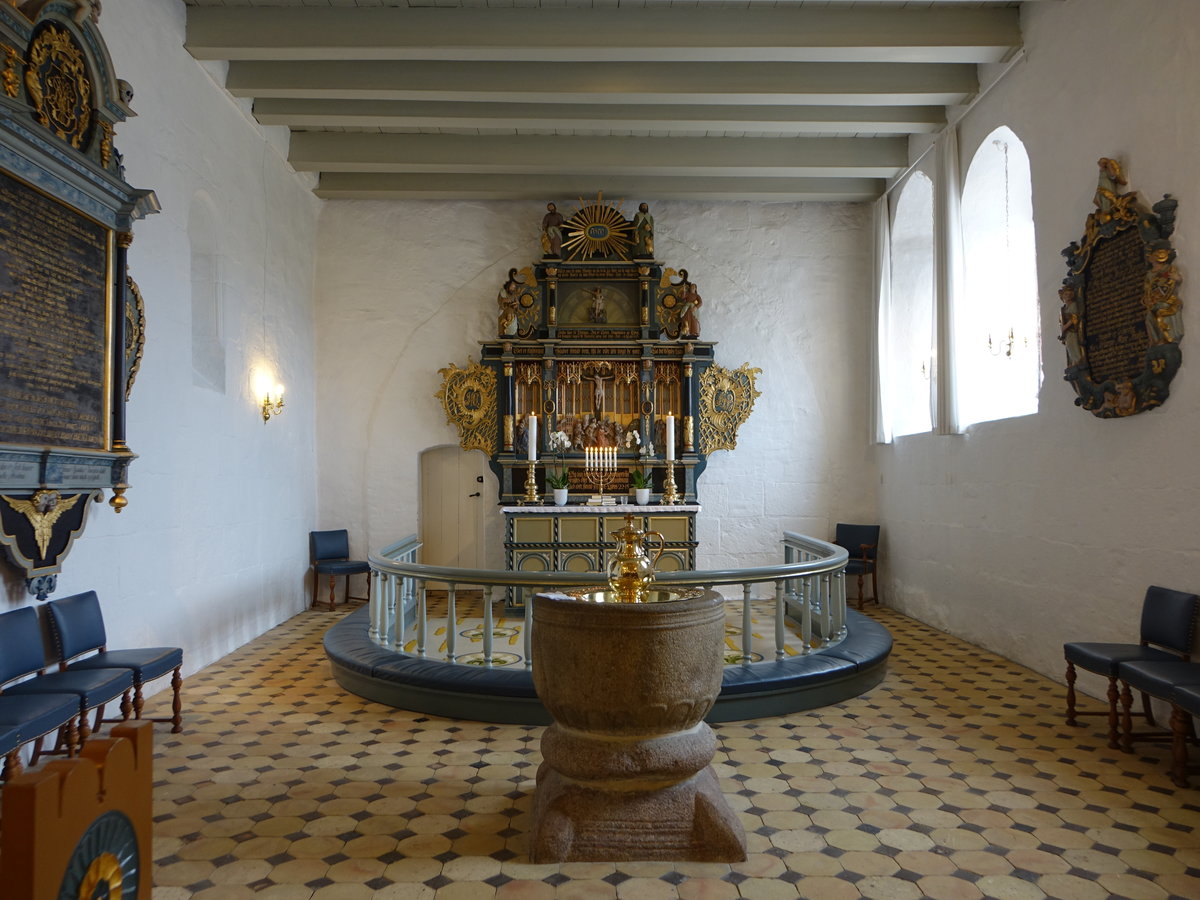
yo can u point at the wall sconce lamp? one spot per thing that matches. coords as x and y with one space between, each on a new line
270 393
272 404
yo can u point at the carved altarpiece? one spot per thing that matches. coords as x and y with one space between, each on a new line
1121 319
599 341
71 320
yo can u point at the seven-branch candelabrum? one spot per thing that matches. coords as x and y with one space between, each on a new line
600 466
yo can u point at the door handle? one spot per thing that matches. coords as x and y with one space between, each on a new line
476 494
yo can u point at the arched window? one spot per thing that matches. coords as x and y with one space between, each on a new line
997 347
208 349
910 338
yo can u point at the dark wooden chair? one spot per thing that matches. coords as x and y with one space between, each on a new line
330 554
77 628
862 543
1167 626
1185 706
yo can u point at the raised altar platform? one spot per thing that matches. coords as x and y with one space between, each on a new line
506 694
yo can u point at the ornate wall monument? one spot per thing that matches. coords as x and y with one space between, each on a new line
1121 319
71 320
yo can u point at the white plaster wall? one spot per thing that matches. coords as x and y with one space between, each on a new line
1026 533
406 288
213 547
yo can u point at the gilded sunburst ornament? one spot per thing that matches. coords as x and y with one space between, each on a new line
598 229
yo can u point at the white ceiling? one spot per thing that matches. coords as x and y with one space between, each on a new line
521 99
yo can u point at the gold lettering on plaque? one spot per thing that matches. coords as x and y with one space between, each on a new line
1115 339
53 305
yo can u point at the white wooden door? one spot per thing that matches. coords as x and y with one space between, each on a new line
452 488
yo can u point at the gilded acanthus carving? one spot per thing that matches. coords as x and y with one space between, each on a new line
469 398
726 401
56 80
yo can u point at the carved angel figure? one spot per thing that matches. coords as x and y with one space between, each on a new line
43 510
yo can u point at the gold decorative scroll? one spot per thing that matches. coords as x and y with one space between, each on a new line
12 63
469 398
135 333
726 401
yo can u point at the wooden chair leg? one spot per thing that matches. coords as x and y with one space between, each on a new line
1113 724
1181 724
331 581
875 584
138 700
36 753
1126 718
860 590
126 707
1071 693
1146 711
176 702
316 581
12 764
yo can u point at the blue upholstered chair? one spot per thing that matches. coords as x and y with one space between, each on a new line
34 706
1167 626
31 717
330 553
77 627
862 543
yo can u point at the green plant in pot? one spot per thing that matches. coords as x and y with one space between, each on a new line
558 479
640 479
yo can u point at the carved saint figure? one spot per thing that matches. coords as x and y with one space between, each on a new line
1108 186
1069 319
643 232
507 300
689 320
552 223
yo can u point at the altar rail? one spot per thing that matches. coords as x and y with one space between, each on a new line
809 586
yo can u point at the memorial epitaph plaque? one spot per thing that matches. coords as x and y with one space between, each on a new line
1120 319
66 220
54 285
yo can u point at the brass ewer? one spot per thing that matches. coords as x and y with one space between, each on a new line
631 570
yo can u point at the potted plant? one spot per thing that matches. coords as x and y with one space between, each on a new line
558 479
641 485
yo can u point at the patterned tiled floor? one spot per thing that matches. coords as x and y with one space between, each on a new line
955 778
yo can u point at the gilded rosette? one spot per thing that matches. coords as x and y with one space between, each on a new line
469 398
726 401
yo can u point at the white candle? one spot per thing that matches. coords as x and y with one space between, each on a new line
671 438
532 435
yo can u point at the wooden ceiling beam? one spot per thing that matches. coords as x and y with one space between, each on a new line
540 188
542 35
872 84
599 156
694 119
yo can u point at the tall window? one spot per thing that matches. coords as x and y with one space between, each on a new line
208 350
910 339
997 347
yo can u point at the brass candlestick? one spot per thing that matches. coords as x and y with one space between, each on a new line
670 497
531 495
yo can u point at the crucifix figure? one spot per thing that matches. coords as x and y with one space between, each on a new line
598 402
